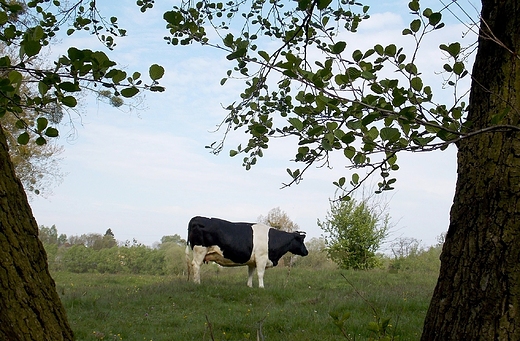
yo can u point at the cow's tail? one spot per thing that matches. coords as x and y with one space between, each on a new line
188 262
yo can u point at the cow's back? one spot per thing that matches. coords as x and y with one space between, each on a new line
235 240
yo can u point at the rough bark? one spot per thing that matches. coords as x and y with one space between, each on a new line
30 308
477 296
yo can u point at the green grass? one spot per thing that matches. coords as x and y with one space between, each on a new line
294 305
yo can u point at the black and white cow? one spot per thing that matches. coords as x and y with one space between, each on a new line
237 244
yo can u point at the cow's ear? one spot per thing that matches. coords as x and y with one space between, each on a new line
301 234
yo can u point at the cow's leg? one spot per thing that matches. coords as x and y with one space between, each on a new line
199 252
251 270
260 270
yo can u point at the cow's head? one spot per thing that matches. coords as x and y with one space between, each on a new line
298 247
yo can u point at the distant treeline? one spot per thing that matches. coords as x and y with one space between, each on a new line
98 253
104 254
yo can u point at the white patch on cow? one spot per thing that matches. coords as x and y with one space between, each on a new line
260 254
199 252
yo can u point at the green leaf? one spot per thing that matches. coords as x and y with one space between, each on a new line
41 123
118 75
392 160
31 47
367 75
416 83
322 4
453 49
40 141
434 18
390 50
414 5
353 73
264 55
156 72
37 33
15 77
379 49
411 68
20 124
237 54
3 18
129 92
5 61
372 134
338 47
349 152
458 68
390 134
23 139
357 55
355 178
68 86
427 12
296 123
228 40
415 25
51 132
233 153
69 101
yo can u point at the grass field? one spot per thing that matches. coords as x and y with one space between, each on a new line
295 305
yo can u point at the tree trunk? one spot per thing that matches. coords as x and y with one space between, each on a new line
477 296
30 308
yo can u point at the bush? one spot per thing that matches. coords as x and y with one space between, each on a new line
354 232
317 257
175 259
424 260
78 258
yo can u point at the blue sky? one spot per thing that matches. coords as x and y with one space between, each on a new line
145 173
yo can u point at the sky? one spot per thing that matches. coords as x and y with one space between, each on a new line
145 172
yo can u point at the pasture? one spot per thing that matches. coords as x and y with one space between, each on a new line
296 304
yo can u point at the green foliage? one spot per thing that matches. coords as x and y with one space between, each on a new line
78 258
354 232
96 253
367 105
175 239
317 257
56 87
423 260
174 258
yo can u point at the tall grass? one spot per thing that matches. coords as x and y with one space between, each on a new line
295 305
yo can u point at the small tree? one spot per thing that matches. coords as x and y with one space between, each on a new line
174 239
405 247
354 232
279 220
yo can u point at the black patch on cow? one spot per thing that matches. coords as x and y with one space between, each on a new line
234 239
281 242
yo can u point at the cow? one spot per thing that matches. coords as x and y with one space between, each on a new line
238 244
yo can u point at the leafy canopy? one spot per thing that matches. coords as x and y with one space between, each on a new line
301 82
32 26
